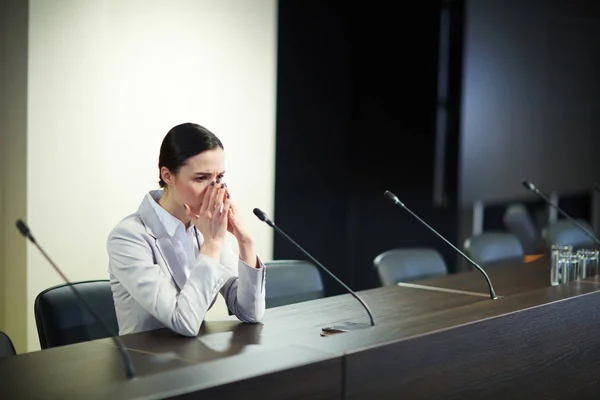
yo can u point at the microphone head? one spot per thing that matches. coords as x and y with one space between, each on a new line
263 217
23 228
260 215
529 185
392 197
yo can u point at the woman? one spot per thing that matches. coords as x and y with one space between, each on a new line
170 259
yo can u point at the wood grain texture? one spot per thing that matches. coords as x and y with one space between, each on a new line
547 351
318 380
425 344
506 279
83 370
95 371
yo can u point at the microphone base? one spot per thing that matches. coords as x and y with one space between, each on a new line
343 327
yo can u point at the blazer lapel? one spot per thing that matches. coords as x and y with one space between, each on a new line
155 228
165 245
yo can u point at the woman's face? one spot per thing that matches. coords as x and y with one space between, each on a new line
190 183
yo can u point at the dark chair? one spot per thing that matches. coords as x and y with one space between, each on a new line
519 222
61 319
7 348
494 248
564 232
292 281
408 264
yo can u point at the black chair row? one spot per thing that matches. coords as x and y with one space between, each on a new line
487 249
534 240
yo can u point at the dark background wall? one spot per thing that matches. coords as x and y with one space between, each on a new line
531 98
357 109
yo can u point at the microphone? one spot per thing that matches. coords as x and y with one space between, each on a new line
394 199
263 217
531 187
129 370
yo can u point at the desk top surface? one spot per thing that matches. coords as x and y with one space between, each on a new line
506 279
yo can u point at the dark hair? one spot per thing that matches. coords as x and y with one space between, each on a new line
182 142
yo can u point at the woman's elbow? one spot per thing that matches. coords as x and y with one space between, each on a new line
187 332
186 329
249 320
253 317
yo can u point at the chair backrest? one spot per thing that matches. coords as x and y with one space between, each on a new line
408 264
564 232
493 248
292 281
61 318
519 222
7 348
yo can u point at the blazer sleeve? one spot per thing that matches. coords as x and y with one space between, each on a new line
244 292
131 260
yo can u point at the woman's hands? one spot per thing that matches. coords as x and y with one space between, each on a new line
216 216
212 219
245 242
236 226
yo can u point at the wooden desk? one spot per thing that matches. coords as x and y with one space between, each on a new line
426 344
542 344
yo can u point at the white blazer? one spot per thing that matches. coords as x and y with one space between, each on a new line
151 290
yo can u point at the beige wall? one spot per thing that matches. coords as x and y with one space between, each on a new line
105 81
3 60
13 163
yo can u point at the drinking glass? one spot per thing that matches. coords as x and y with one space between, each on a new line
556 251
568 267
588 263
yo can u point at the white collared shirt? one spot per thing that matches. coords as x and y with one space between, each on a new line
184 241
